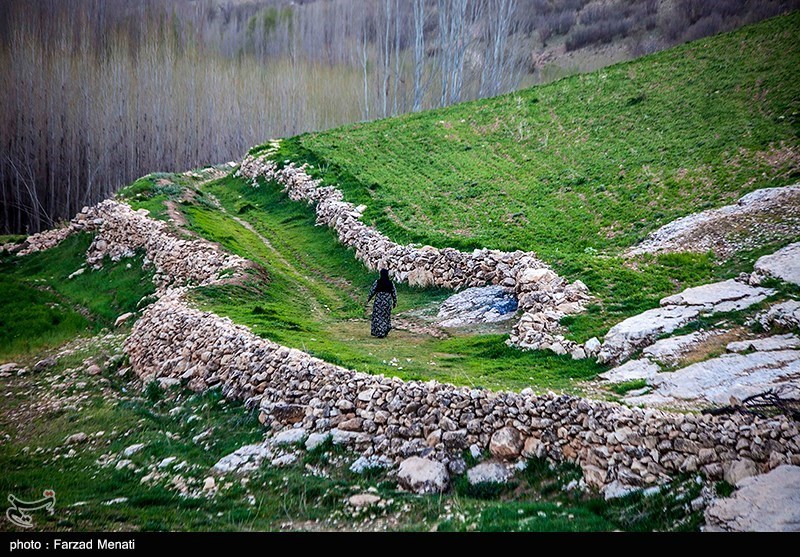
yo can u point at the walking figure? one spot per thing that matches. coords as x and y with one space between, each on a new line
385 299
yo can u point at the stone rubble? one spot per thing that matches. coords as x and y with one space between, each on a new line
785 315
543 296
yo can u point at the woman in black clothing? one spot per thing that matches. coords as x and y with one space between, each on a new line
385 299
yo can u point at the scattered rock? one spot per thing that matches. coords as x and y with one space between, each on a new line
316 440
123 318
209 484
766 503
422 475
767 215
489 472
365 463
45 364
362 500
76 438
617 489
167 461
94 369
132 449
244 459
783 315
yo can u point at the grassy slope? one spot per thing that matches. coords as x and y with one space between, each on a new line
40 307
581 168
314 296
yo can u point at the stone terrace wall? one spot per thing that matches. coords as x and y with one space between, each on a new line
543 296
389 417
120 231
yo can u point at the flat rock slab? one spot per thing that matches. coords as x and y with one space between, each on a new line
488 304
715 381
766 344
489 472
783 264
766 503
727 295
631 371
670 351
642 330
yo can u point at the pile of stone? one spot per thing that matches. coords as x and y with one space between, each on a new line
121 231
543 296
387 417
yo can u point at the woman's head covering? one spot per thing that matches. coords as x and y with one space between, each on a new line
384 283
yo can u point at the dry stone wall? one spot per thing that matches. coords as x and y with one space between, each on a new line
392 418
543 296
121 231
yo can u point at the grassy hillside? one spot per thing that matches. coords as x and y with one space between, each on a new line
41 307
579 169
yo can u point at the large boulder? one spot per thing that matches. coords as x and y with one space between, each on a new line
783 264
767 503
423 475
487 304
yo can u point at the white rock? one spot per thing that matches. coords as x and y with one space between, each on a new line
422 475
316 439
617 489
132 449
167 461
670 351
783 264
631 370
209 483
738 470
284 460
361 500
123 318
718 379
487 304
715 295
765 344
289 437
766 503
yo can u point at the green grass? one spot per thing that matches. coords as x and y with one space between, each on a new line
627 386
308 495
579 169
40 307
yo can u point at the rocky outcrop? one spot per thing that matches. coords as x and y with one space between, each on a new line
398 419
757 219
767 503
543 296
784 264
642 330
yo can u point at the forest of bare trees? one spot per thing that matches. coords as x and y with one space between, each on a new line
98 92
